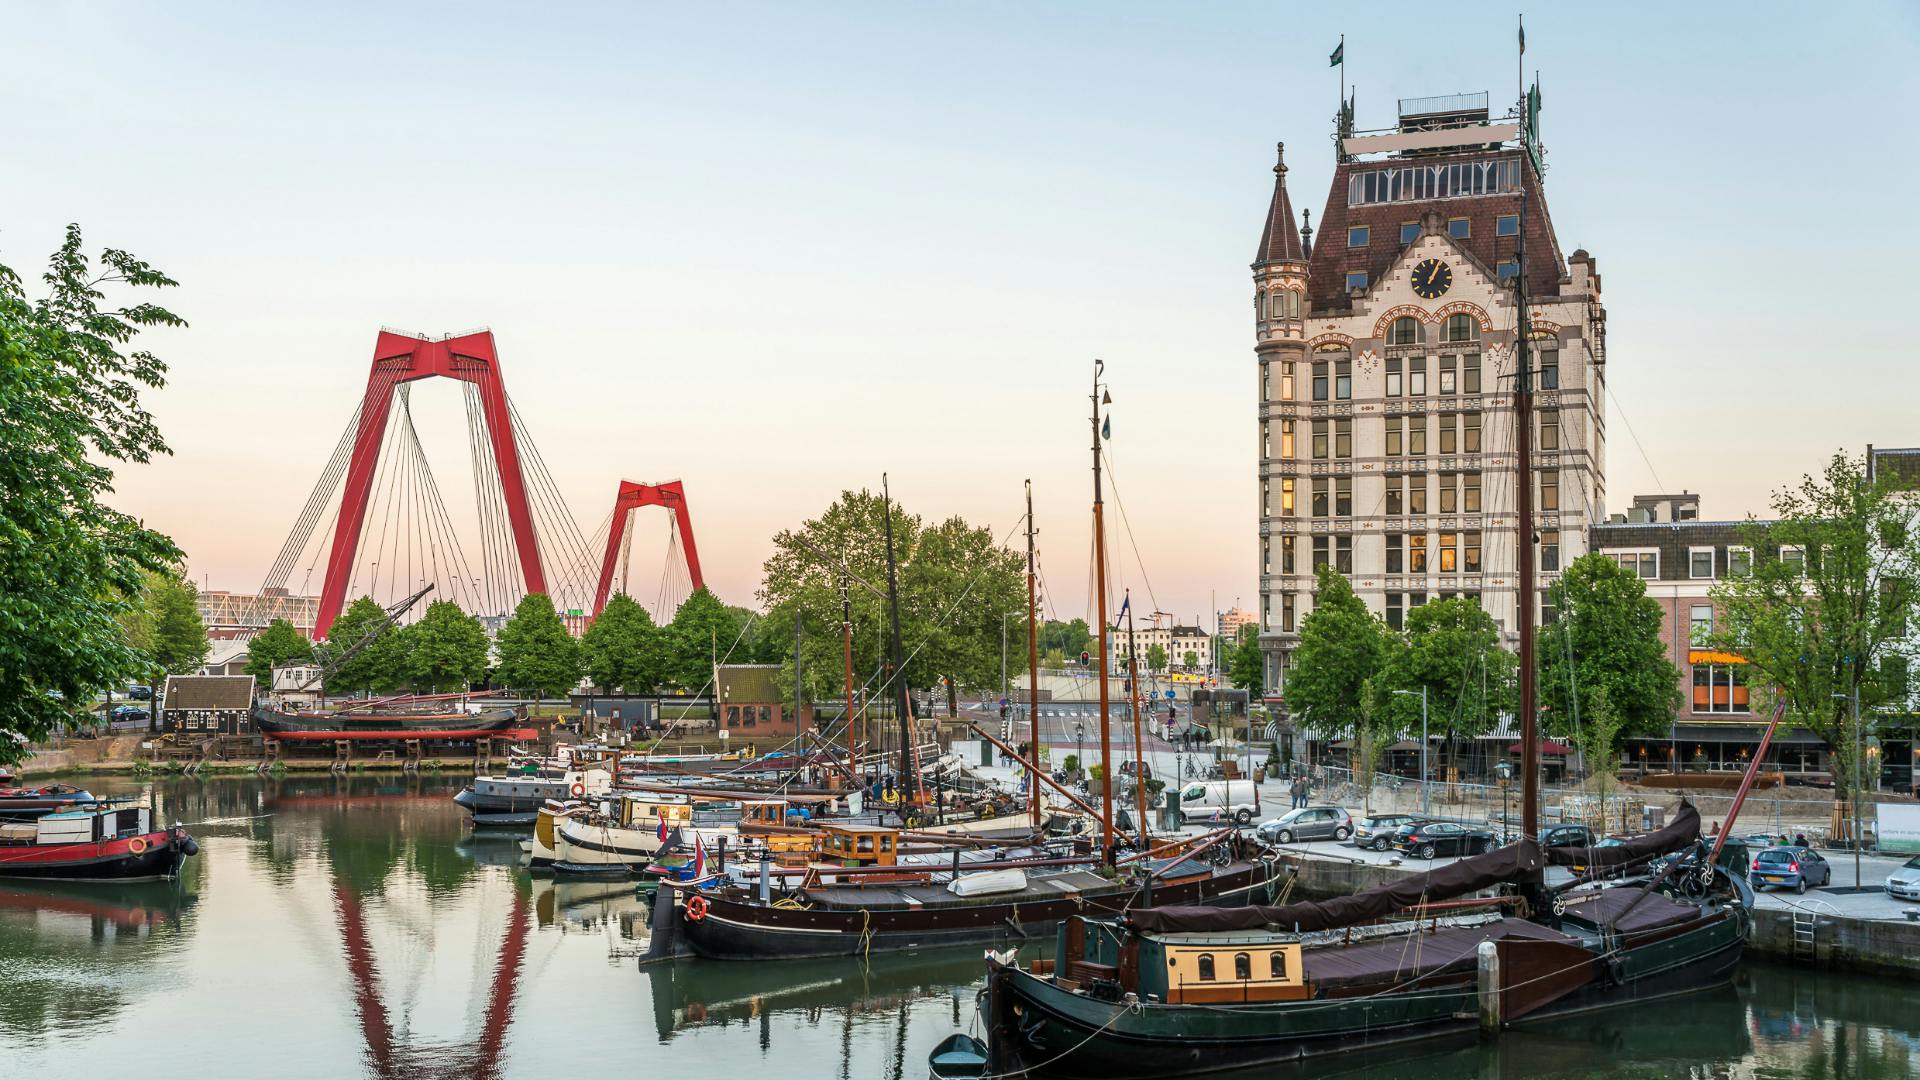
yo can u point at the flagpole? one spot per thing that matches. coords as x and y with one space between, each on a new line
1343 70
1520 66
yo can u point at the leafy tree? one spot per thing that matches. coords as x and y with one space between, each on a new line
1156 657
1452 650
1605 638
1343 648
381 666
1246 668
446 650
1599 743
179 637
1835 622
1053 659
1071 638
536 652
623 649
1191 660
955 584
279 644
70 566
702 631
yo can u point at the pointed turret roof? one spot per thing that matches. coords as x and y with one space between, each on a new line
1280 239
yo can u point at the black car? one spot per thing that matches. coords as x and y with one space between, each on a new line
1377 831
129 714
1436 838
140 693
1567 836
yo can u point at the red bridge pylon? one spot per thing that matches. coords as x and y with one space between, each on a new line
403 358
630 496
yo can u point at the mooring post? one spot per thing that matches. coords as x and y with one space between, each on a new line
1489 956
766 877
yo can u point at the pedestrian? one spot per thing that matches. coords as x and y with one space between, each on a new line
1298 792
1800 840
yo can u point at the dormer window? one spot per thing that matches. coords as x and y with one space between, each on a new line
1357 235
1356 279
1508 269
1459 228
1507 225
1409 232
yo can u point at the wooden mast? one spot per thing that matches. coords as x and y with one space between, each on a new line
1139 746
846 649
1523 488
1100 594
1033 674
903 700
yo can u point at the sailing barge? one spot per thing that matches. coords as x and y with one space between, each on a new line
1179 991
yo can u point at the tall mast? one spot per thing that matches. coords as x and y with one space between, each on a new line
1139 746
1523 487
846 649
1033 675
902 699
1100 594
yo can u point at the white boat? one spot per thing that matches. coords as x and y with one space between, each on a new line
631 835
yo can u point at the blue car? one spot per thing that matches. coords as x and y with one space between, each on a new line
1793 868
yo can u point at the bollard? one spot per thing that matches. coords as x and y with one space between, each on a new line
1489 957
766 878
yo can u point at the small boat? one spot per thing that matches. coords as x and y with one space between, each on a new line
958 1057
102 842
25 804
512 799
629 837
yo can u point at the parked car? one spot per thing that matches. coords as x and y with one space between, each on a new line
140 693
128 714
1566 836
1904 883
1377 831
1236 799
1435 838
1790 867
1307 823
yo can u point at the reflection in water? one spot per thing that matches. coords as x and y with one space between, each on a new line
353 927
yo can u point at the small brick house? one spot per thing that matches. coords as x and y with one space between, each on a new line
750 704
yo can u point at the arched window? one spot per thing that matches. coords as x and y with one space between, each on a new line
1462 328
1206 967
1242 967
1405 331
1277 965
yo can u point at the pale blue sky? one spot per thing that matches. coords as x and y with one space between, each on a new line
775 249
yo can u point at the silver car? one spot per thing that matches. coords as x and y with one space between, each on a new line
1904 883
1307 823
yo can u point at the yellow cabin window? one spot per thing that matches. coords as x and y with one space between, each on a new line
1277 965
1242 967
1206 967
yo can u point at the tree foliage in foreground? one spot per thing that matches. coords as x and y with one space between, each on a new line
1605 638
71 566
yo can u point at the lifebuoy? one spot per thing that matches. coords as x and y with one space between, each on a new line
890 796
578 789
696 908
137 845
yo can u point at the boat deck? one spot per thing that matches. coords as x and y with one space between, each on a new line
1039 887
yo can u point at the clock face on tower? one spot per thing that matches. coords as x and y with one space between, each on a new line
1431 279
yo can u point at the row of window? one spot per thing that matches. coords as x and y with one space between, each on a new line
1405 330
1412 183
1332 380
1406 436
1700 562
748 715
1406 496
1407 553
1243 966
1459 228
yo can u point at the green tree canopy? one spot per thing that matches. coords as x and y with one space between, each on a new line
703 630
1834 617
1606 637
1190 660
380 667
956 583
446 650
277 645
70 566
536 652
1246 668
1452 650
623 649
1156 657
179 642
1343 649
1071 638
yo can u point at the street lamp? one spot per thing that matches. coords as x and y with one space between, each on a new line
1504 770
1079 734
1425 805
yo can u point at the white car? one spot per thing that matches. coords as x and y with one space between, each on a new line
1904 883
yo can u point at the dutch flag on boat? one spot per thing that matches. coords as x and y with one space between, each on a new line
699 857
663 826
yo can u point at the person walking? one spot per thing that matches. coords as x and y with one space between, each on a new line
1299 792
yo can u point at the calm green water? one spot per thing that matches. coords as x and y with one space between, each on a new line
354 928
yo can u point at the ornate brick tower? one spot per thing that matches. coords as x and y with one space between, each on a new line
1280 303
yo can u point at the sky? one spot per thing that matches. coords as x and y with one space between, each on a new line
775 250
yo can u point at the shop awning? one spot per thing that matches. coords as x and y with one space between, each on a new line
1547 747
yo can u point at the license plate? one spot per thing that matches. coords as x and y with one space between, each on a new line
1773 877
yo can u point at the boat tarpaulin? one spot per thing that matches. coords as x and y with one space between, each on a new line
1460 878
1684 829
1417 954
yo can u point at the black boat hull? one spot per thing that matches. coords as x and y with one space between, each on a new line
275 722
159 862
737 929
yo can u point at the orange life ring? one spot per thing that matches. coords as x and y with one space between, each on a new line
578 789
137 845
696 908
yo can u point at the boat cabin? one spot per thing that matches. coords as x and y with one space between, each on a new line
87 826
1183 969
859 845
643 811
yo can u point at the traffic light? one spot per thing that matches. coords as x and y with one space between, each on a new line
1083 658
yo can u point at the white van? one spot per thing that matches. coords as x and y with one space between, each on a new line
1223 800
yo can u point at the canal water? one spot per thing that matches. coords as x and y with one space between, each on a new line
353 927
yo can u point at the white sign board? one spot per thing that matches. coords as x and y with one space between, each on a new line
1898 826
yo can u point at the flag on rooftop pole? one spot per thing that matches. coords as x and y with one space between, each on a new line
1339 54
1523 35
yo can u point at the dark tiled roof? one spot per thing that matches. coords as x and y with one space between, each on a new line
749 683
209 692
1280 238
1333 259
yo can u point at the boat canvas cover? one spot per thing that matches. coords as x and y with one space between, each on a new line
1630 910
1460 878
1414 955
1684 829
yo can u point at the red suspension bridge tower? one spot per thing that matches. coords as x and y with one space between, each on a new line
399 359
630 497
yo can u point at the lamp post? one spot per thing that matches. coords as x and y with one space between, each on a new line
1425 804
1079 735
1504 770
